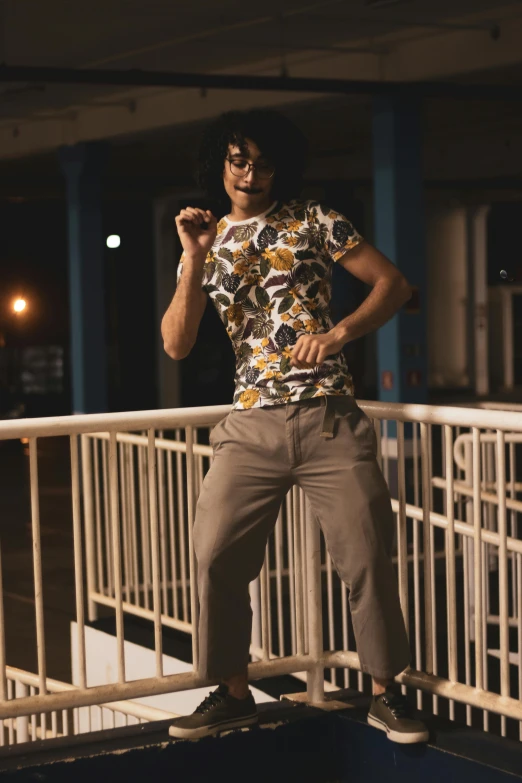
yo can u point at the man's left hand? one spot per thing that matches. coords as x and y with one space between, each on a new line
312 349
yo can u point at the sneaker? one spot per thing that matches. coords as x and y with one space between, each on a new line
391 713
217 712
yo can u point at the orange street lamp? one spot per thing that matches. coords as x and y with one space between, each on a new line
19 305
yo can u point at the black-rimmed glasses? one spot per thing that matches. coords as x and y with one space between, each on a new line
240 167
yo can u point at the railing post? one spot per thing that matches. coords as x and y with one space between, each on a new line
315 675
88 510
193 567
469 542
22 723
255 602
426 532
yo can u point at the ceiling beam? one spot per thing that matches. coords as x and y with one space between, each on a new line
322 86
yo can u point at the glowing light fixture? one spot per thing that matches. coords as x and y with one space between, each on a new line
113 241
19 305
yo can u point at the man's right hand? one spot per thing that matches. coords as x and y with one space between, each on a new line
197 229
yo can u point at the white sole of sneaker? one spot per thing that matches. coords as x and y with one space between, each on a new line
207 731
399 736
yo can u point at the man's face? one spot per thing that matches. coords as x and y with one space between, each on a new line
250 191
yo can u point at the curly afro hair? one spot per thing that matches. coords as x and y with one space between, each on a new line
276 136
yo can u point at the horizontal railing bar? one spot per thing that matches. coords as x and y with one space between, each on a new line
437 414
144 711
430 683
207 415
109 695
488 497
134 689
484 437
516 485
163 444
74 697
54 426
487 437
494 619
147 614
438 520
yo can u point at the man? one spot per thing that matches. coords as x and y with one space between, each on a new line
267 266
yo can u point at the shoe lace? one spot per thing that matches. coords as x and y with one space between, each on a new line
397 704
213 698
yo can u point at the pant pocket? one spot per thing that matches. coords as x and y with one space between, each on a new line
359 423
370 430
214 433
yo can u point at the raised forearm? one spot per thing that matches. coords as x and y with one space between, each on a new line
380 305
179 327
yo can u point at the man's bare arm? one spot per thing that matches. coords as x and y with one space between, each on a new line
180 324
390 291
179 328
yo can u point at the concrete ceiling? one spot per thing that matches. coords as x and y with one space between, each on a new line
409 39
203 36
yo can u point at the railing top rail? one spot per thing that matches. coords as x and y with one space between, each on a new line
168 418
135 709
497 406
171 418
442 414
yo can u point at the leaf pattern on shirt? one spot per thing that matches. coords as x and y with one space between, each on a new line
269 279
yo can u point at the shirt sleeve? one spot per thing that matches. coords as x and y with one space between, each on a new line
340 234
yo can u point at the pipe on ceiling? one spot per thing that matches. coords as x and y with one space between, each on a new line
141 78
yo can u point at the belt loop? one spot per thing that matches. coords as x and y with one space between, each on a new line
328 418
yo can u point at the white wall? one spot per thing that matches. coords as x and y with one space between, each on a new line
446 238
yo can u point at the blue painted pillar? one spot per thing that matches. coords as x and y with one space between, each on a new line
82 166
400 235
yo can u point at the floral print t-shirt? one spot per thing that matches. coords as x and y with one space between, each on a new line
269 279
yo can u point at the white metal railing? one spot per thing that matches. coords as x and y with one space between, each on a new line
134 499
283 557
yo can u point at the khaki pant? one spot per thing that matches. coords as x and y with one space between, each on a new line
327 446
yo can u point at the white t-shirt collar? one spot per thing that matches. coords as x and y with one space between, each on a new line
252 219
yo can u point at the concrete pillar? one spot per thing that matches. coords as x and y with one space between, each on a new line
478 237
82 166
448 333
399 233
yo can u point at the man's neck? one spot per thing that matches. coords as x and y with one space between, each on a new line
237 213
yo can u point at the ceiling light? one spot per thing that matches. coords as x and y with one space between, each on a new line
113 241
